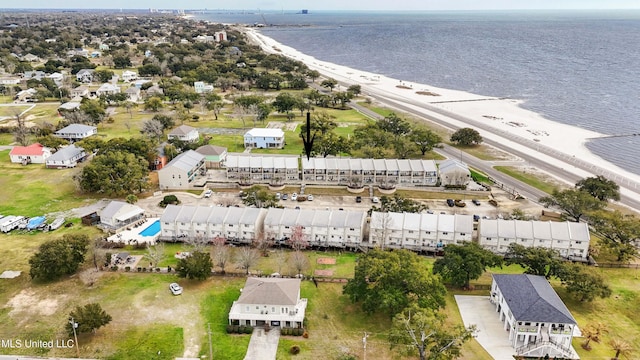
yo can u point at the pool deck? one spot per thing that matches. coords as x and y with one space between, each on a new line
133 236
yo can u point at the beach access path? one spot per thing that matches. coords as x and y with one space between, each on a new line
555 148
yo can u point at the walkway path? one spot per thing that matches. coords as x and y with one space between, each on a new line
263 345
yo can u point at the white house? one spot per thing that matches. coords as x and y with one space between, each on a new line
201 87
570 239
215 156
67 157
263 169
454 172
537 320
428 232
85 75
220 36
35 153
108 89
80 91
405 172
262 138
57 78
184 133
75 132
118 214
133 93
180 172
269 301
129 75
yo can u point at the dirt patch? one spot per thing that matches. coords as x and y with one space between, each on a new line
326 261
323 273
28 301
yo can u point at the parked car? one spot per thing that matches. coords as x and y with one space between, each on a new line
451 203
294 196
208 193
285 196
476 217
460 203
375 200
175 288
309 197
358 199
278 196
476 202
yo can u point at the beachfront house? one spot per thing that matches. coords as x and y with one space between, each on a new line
184 133
420 232
33 154
262 138
75 132
269 301
118 214
454 173
215 156
537 320
180 172
570 239
67 157
262 169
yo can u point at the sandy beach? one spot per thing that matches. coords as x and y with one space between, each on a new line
501 120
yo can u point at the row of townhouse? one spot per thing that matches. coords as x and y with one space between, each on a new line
418 232
238 225
323 228
570 239
262 168
370 171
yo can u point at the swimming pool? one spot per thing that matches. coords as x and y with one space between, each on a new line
151 230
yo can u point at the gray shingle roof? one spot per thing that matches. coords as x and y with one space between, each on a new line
65 153
186 161
75 129
531 298
270 291
211 150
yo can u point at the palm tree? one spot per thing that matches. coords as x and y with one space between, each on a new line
593 332
621 347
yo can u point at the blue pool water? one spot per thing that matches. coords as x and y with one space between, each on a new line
151 230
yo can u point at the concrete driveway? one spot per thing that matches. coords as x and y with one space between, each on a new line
263 345
491 333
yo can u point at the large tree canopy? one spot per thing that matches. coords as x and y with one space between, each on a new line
115 173
535 260
466 137
87 318
600 188
618 232
198 265
388 282
575 203
58 257
463 263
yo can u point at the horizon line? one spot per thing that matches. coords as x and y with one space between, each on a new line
321 10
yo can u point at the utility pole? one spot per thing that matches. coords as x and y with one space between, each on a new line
74 325
210 346
364 346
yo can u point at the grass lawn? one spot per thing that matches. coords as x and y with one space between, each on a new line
12 111
482 152
529 179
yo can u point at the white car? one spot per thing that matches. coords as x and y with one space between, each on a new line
208 193
294 197
309 197
278 196
175 288
375 200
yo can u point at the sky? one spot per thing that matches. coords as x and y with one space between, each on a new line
312 5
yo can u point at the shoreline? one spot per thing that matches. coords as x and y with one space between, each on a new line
499 119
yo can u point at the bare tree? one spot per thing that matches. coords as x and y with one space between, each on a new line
21 132
383 226
155 254
298 240
299 262
153 128
220 253
228 201
281 259
246 257
263 242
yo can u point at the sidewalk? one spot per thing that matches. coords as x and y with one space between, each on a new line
263 345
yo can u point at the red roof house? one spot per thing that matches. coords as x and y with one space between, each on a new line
35 153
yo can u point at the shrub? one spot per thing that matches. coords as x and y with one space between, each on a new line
114 268
299 331
248 329
144 269
127 268
157 269
295 350
229 329
305 334
107 259
139 269
241 329
235 329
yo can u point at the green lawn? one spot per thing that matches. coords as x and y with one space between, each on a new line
529 179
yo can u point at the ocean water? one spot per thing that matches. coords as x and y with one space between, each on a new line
576 67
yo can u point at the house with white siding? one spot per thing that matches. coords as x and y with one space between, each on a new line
200 87
85 75
570 239
66 157
33 154
75 132
538 322
428 232
107 89
180 172
269 301
118 214
129 75
184 133
262 169
454 173
262 138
